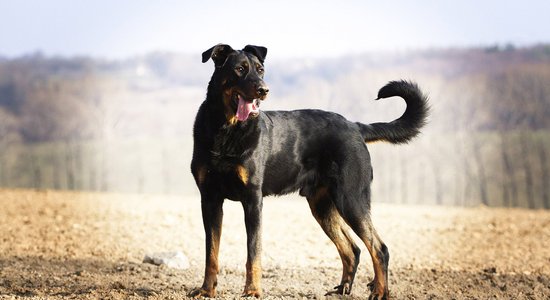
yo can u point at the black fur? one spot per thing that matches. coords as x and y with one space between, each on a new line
320 154
408 125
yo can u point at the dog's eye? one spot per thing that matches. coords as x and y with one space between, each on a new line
260 70
239 69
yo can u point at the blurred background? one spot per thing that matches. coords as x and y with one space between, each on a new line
101 96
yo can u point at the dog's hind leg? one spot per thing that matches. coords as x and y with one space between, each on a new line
334 226
380 260
357 216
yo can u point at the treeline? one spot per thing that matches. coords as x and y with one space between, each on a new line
45 99
56 99
91 124
490 144
495 88
493 169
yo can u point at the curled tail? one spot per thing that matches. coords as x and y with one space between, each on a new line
406 127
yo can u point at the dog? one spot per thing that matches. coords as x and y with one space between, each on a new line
244 154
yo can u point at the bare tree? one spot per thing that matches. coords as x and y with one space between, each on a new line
545 177
528 169
509 186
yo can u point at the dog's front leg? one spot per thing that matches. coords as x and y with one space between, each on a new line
212 216
253 222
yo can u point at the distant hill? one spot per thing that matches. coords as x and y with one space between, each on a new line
50 98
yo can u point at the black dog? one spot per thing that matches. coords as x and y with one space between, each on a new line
243 154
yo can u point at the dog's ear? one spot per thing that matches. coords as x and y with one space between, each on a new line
259 51
218 54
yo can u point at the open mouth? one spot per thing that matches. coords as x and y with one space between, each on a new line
246 108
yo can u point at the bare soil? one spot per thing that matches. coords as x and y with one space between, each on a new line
58 245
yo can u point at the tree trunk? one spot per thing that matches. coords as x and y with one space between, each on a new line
509 187
528 171
459 180
77 150
92 181
482 178
69 170
437 183
404 196
104 177
545 177
56 172
3 167
35 169
421 186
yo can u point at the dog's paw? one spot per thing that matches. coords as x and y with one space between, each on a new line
376 293
371 285
377 296
343 289
252 293
201 293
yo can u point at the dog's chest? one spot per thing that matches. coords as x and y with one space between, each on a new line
233 145
231 167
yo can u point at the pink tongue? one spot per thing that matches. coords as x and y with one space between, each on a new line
244 109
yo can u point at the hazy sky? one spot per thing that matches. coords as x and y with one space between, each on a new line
116 29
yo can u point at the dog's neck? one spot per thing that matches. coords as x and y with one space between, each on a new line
234 143
214 96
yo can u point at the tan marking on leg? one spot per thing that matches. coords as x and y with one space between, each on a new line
243 174
211 270
335 228
252 286
374 244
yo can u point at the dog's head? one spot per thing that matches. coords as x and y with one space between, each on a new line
239 74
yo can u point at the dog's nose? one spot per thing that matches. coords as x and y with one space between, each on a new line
263 90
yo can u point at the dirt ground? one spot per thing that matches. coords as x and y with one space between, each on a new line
59 245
